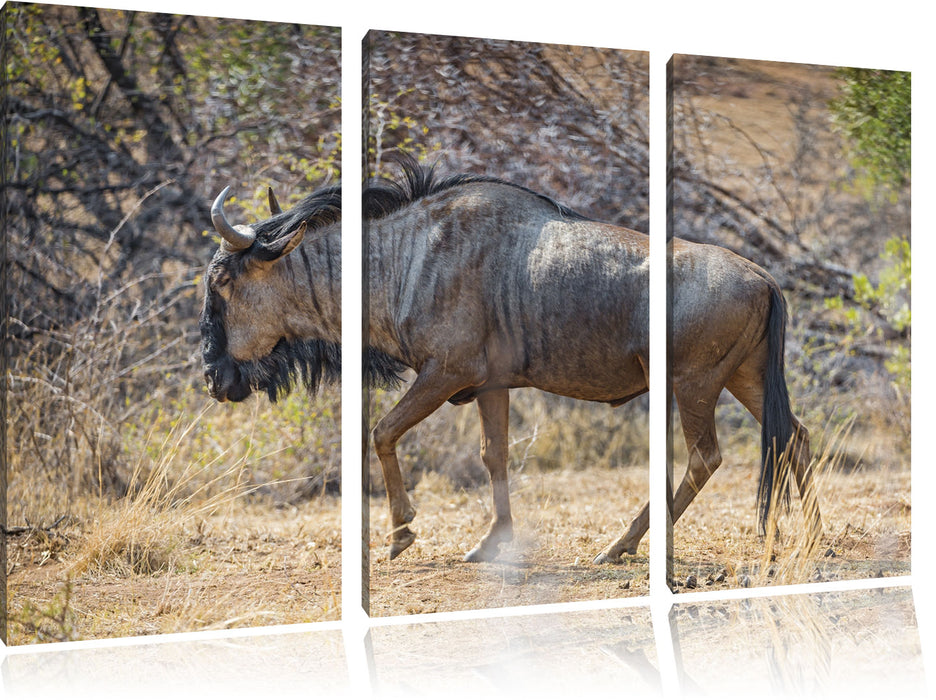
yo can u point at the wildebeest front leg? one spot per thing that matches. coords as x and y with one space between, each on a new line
430 390
493 407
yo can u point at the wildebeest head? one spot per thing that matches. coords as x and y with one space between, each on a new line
270 316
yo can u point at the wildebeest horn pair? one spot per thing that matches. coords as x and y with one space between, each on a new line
237 237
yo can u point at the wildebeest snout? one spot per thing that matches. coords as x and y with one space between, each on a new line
225 382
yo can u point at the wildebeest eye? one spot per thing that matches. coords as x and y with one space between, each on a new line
218 279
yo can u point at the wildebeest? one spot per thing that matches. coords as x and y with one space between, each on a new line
480 286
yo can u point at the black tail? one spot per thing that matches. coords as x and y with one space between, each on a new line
777 420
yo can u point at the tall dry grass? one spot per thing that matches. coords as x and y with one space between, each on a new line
140 533
865 512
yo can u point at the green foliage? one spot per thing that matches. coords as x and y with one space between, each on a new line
873 112
881 312
888 294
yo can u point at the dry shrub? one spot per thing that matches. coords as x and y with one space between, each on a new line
75 386
88 402
141 531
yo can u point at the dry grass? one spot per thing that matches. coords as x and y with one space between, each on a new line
138 534
192 546
866 525
247 564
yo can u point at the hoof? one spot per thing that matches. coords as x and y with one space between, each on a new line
607 558
481 553
489 546
401 540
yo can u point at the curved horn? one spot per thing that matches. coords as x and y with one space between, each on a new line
274 205
239 237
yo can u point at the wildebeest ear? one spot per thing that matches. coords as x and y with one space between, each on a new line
282 246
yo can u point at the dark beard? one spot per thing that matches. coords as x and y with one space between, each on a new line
313 362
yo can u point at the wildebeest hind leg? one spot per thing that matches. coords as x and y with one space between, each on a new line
641 523
493 407
629 541
430 390
697 414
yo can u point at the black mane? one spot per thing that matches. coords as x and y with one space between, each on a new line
384 196
318 209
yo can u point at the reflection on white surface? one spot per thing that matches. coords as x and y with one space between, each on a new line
862 643
857 643
294 665
530 656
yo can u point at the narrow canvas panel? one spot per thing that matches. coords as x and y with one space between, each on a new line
502 283
138 502
803 173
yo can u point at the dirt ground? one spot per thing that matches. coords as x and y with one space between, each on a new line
866 532
260 565
253 565
563 518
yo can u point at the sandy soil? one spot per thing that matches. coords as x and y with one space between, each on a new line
562 519
254 565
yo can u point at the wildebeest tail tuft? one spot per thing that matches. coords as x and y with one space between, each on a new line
777 420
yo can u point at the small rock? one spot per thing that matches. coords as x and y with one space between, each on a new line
692 581
721 577
744 580
830 552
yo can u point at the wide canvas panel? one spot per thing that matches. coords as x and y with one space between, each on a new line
805 171
137 503
567 122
